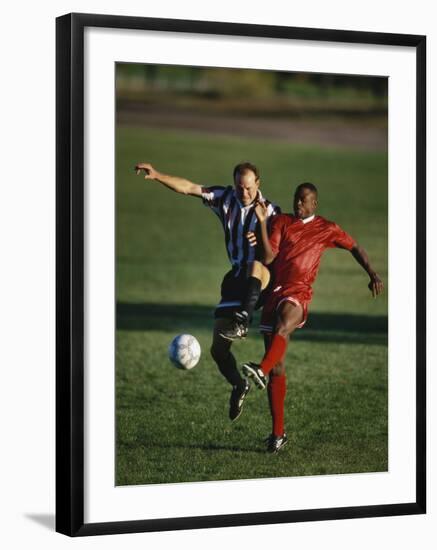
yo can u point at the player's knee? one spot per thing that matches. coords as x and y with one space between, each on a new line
260 272
285 329
254 269
278 370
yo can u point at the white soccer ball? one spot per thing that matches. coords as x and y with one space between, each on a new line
184 351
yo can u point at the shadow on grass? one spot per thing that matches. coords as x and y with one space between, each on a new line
321 327
196 446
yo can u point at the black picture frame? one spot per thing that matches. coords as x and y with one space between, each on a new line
70 273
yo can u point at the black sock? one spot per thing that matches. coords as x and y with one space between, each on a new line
228 367
253 291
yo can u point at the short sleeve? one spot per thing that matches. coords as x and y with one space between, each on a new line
211 196
341 239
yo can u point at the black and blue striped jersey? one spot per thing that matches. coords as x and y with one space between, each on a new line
236 220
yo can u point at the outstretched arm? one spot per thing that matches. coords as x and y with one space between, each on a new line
375 285
180 185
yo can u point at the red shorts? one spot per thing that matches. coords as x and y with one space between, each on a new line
278 296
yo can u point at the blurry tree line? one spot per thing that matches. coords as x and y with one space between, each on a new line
232 83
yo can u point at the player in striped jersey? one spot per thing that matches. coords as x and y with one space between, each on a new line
234 205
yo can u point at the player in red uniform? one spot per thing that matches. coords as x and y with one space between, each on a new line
296 245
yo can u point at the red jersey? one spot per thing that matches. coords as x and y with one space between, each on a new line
299 247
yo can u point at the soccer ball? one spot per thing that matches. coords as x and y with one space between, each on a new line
184 351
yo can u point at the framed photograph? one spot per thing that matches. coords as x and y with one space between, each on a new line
265 364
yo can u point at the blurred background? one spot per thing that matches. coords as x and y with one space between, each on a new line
199 123
298 107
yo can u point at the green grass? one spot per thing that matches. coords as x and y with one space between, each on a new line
172 425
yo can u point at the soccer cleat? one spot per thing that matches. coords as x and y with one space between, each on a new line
236 400
252 370
276 442
239 328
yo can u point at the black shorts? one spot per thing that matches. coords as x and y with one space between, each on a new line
233 290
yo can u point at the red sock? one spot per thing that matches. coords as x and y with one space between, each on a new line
274 354
277 389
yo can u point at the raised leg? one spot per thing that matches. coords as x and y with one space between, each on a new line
222 355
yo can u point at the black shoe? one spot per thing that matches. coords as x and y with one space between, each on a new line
239 328
252 370
276 442
236 401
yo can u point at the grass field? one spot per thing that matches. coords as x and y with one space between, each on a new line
172 426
